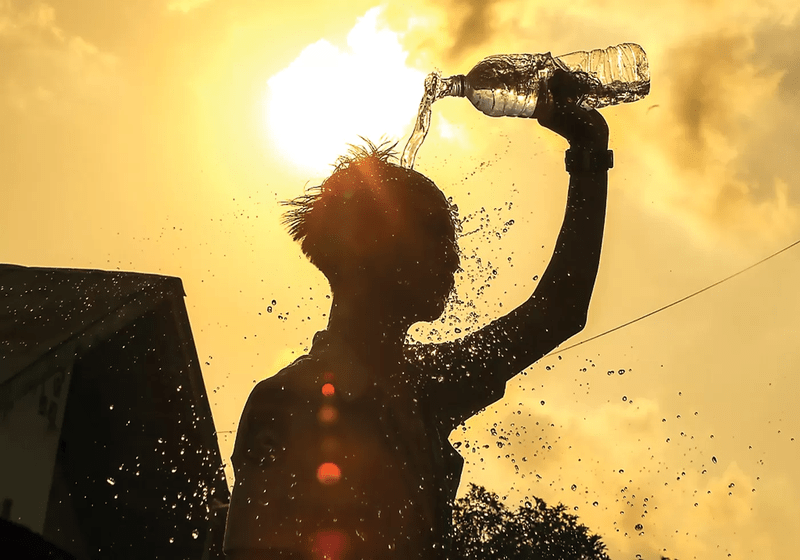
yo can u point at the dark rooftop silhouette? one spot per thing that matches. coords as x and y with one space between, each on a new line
108 441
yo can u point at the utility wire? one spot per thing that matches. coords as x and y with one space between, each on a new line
698 292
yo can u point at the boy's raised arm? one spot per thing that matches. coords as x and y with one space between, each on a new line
558 307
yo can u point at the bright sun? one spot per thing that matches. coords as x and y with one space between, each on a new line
328 97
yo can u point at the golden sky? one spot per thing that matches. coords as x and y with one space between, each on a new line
159 137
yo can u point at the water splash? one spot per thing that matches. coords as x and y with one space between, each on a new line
473 302
436 87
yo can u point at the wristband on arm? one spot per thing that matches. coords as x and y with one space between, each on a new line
580 160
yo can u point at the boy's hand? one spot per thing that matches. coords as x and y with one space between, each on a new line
558 111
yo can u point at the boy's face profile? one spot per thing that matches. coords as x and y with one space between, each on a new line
421 280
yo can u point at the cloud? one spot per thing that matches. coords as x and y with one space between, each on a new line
774 135
635 474
716 91
475 25
450 32
729 136
185 6
45 67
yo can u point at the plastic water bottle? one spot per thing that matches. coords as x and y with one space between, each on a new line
508 85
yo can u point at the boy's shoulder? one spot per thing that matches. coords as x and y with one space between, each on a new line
299 378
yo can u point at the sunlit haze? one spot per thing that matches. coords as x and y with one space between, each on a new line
160 137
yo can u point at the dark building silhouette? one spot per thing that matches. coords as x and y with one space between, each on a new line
107 444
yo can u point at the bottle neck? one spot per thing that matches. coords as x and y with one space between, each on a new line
457 85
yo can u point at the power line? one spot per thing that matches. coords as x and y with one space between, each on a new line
660 309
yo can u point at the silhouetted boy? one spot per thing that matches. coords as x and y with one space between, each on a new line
344 454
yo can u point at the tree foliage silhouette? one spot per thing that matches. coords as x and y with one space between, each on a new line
484 528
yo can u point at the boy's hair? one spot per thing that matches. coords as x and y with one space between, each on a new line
369 214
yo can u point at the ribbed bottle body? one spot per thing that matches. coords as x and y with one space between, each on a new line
509 85
619 74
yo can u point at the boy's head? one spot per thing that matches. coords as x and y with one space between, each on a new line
376 222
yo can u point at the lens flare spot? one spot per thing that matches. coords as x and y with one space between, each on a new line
329 473
329 545
328 390
330 446
328 414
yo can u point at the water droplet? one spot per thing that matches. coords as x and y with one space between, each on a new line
269 309
111 481
639 527
595 504
573 487
195 534
714 460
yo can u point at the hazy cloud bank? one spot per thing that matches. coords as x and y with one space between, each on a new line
45 67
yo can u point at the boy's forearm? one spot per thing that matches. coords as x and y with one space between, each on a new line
566 286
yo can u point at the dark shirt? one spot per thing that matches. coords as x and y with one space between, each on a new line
386 433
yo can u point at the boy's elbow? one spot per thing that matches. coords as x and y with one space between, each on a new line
568 333
573 324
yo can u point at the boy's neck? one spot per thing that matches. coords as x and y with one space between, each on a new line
367 328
